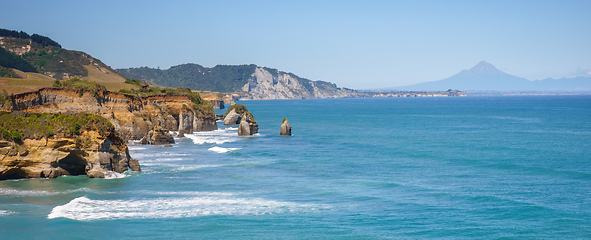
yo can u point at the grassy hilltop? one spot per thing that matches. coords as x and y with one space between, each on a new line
29 62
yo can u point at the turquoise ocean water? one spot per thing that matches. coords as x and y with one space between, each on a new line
380 168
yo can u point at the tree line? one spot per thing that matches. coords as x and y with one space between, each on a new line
43 40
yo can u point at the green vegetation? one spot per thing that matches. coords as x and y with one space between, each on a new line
239 108
285 119
8 73
59 62
16 126
36 38
136 82
11 60
81 86
221 78
5 101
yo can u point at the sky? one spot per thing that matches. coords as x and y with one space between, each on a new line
355 44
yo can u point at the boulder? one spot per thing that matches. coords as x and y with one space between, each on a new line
285 128
232 118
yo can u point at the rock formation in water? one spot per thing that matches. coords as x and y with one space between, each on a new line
158 136
232 118
131 115
248 126
51 145
285 128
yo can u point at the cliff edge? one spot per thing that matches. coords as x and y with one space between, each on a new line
132 115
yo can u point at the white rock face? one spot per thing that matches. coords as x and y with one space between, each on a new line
265 85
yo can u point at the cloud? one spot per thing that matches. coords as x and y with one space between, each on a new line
582 72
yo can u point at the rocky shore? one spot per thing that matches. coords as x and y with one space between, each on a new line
51 145
132 116
91 148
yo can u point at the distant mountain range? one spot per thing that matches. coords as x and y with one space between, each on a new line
486 77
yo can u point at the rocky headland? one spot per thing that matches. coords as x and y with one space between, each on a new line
132 116
35 145
93 126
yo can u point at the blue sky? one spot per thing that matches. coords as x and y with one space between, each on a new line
355 44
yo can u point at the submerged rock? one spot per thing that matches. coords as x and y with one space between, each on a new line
285 128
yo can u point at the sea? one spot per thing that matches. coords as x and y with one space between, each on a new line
487 167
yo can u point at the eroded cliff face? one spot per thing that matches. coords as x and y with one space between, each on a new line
132 116
266 85
92 154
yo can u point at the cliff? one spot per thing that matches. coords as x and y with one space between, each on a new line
267 83
131 115
50 145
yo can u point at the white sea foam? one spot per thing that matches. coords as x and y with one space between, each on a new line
28 193
201 204
218 136
222 150
5 212
114 175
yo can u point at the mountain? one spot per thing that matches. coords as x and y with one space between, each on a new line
486 77
258 82
37 59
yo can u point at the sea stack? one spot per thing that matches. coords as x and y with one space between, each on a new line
248 126
285 128
232 118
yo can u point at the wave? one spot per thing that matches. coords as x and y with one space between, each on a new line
114 175
222 150
202 204
5 212
218 136
32 193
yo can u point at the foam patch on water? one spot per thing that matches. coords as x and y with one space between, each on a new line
32 193
5 212
218 136
222 150
203 204
114 175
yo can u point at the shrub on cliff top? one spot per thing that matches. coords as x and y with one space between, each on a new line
22 125
81 86
239 108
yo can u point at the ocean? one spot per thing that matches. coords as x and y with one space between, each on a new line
512 167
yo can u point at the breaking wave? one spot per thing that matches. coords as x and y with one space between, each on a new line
218 136
194 205
5 213
222 150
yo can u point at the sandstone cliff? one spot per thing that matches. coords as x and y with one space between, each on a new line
131 115
51 145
